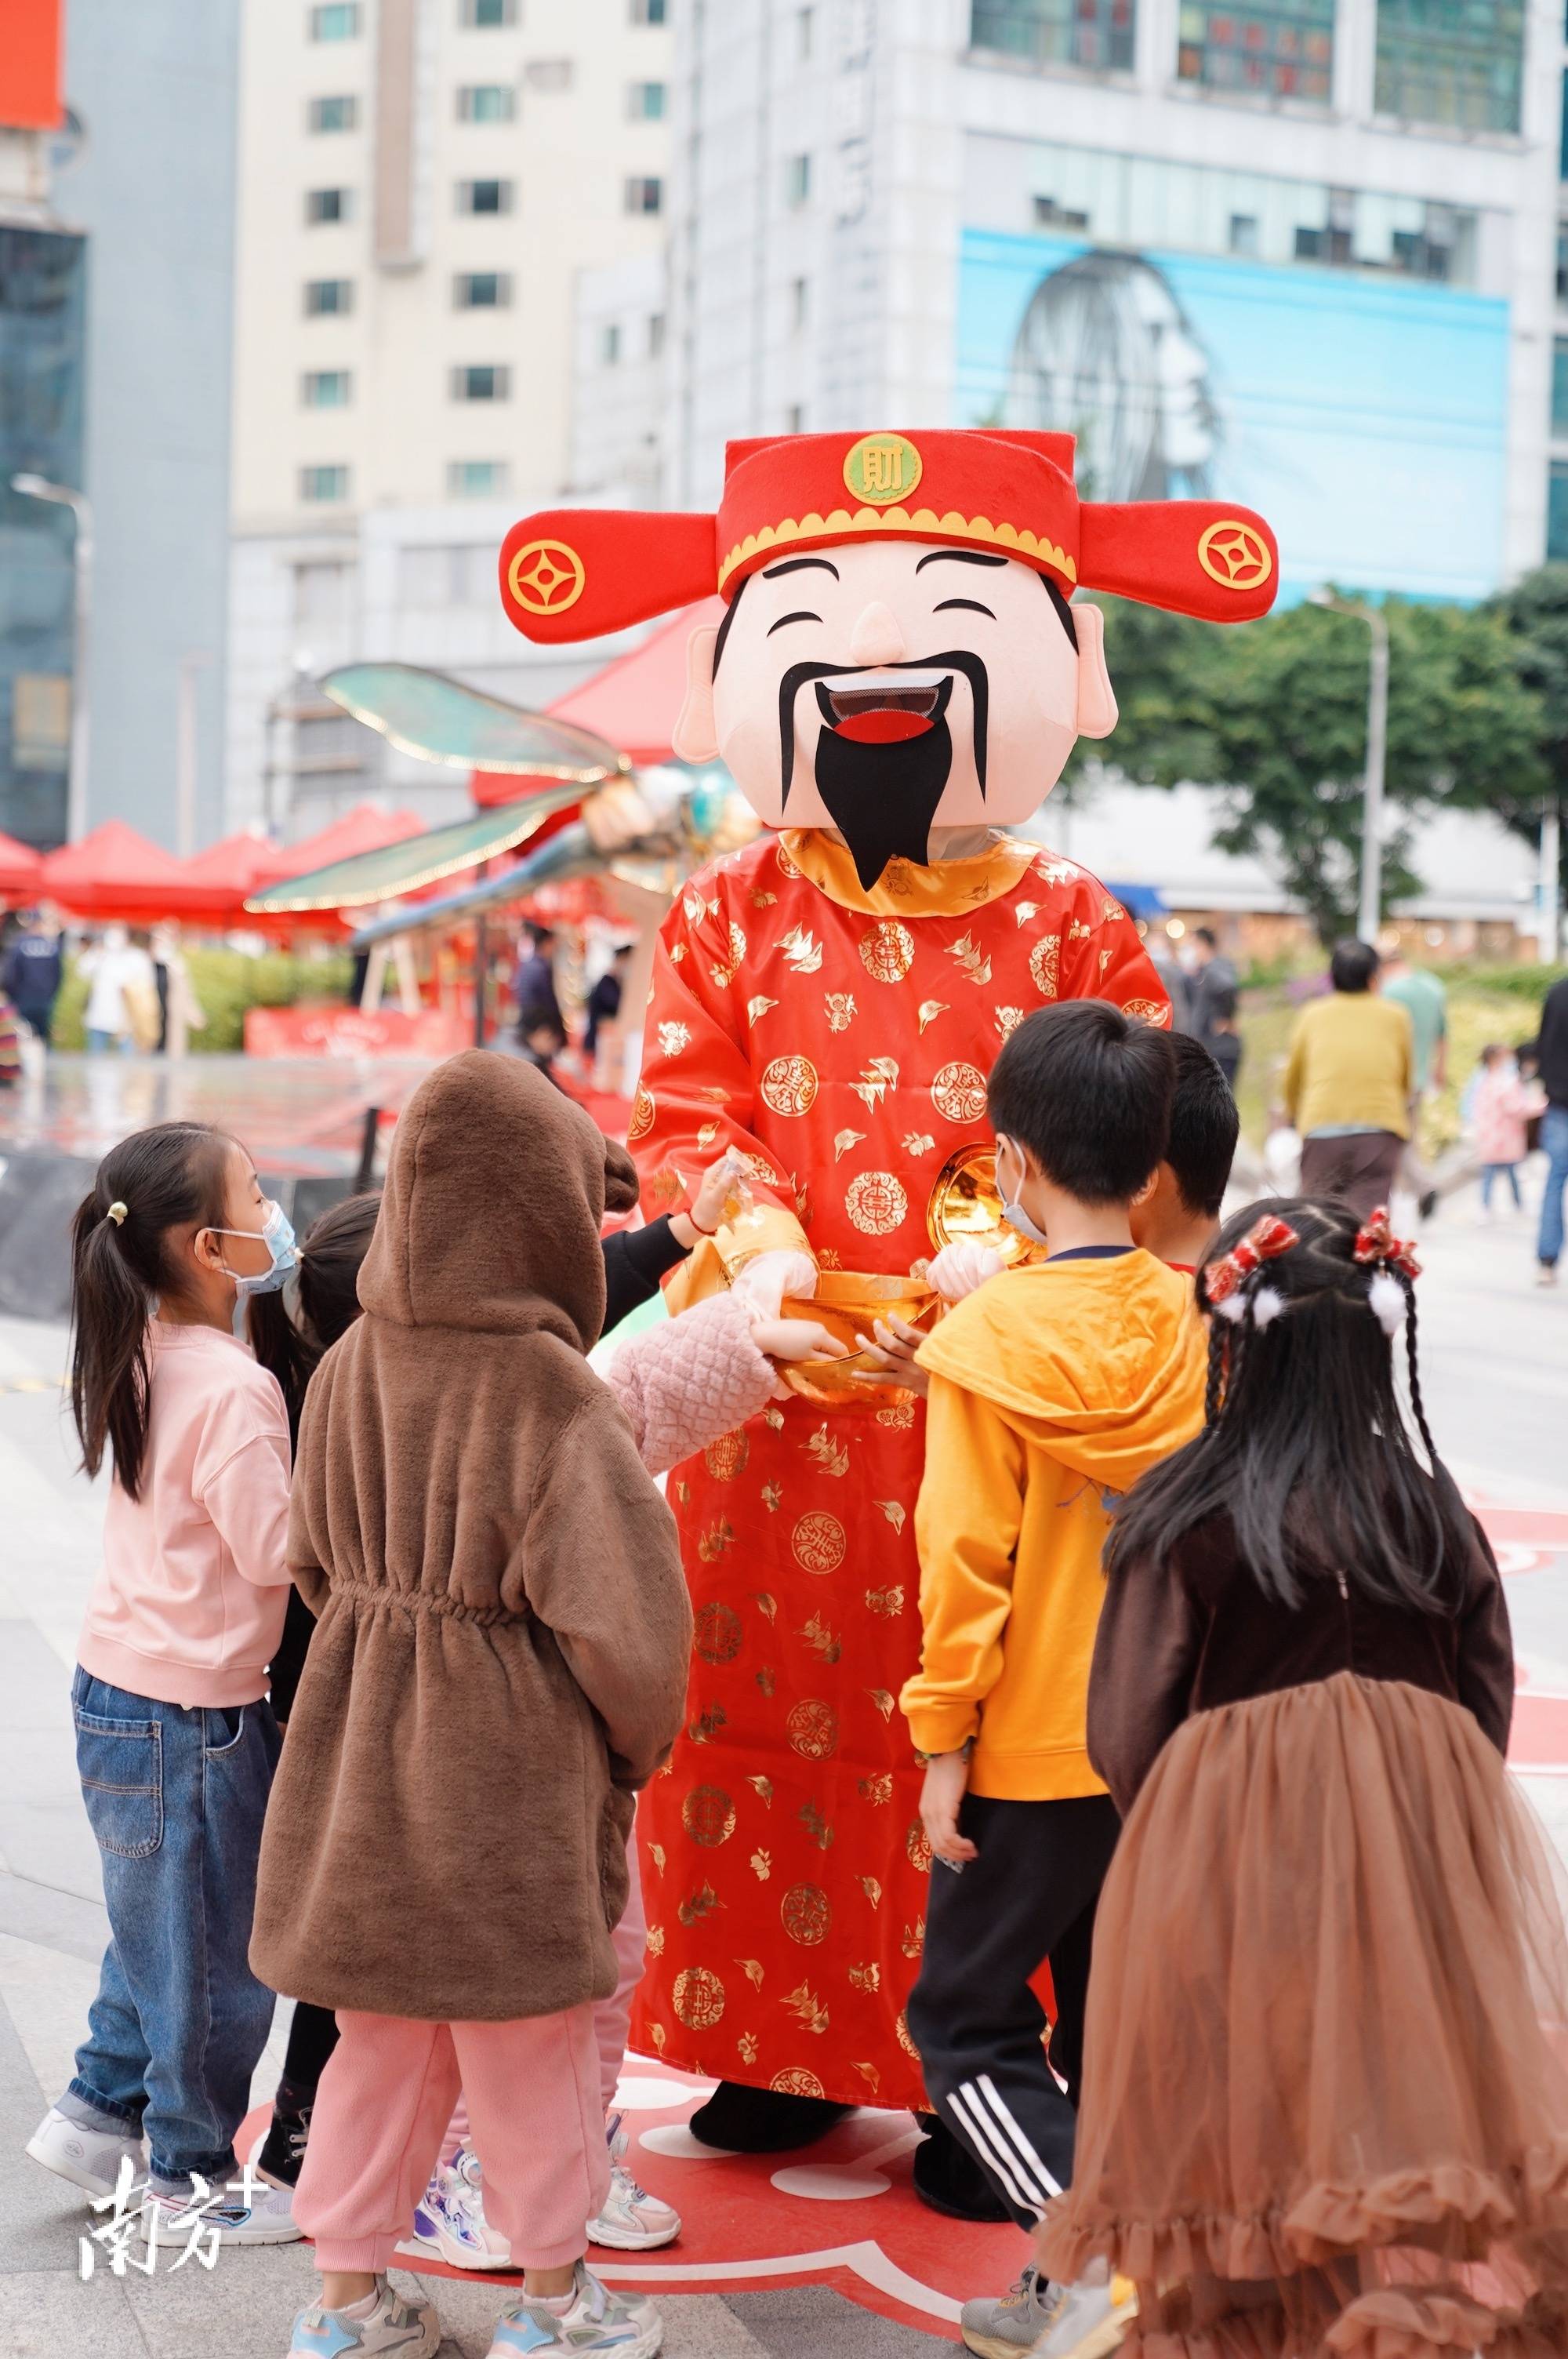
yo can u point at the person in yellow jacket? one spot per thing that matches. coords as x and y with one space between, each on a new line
1052 1389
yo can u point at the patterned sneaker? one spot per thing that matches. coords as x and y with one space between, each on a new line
619 2325
632 2221
1050 2321
281 2154
449 2221
411 2329
249 2212
90 2159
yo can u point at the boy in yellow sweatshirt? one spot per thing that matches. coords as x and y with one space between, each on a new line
1052 1389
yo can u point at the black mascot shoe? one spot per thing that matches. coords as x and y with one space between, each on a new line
762 2121
948 2179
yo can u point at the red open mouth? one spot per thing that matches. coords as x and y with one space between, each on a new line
884 715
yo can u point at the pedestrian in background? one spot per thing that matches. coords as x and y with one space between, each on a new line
1213 982
121 997
1418 990
1501 1109
31 976
1551 1064
1348 1083
1224 1042
533 986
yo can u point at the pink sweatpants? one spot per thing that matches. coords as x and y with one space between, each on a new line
611 2016
385 2101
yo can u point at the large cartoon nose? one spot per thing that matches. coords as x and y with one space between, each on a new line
876 637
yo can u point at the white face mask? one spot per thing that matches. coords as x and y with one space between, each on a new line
1012 1210
276 1233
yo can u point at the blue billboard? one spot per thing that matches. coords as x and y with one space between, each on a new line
1364 416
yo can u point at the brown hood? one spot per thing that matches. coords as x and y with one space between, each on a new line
496 1193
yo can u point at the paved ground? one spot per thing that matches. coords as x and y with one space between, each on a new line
1496 1363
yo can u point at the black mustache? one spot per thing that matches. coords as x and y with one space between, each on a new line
955 660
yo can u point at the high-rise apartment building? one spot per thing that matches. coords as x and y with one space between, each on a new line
1303 252
423 184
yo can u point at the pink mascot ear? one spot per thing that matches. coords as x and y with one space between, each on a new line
1096 700
695 737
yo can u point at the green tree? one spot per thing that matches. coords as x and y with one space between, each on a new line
1534 613
1274 714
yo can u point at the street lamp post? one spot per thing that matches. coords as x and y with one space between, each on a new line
1369 914
38 487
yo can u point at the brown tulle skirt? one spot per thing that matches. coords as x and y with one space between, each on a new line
1326 2076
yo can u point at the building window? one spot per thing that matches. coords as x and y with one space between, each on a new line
40 720
609 344
644 196
553 74
655 334
645 102
647 12
442 573
481 290
1051 213
802 18
795 418
1095 33
484 196
321 594
486 101
484 12
1244 232
326 388
1557 510
338 21
323 483
799 303
797 180
1562 265
476 479
328 298
484 382
338 113
328 205
1269 49
1560 390
1462 67
1563 148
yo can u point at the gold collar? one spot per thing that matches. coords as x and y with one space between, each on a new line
905 888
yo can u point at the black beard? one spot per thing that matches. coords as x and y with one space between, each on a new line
882 799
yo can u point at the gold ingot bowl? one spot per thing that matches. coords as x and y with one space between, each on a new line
847 1302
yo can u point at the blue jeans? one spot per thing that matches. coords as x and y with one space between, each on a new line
1555 1139
100 1043
1491 1171
176 1798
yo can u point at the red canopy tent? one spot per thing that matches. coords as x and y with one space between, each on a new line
634 702
21 870
115 873
232 868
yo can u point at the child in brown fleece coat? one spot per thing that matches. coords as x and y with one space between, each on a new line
500 1661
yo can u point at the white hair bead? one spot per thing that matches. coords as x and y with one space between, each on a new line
1267 1305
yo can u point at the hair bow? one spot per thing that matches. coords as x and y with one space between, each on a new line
1264 1241
1376 1243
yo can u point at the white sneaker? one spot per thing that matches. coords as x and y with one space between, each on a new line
1049 2320
448 2220
631 2219
395 2324
90 2159
616 2325
251 2211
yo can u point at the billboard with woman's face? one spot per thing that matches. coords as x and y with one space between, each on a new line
1364 415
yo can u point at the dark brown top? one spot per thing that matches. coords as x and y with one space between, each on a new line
1193 1630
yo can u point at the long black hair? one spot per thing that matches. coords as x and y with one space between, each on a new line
330 1257
1305 1447
154 1183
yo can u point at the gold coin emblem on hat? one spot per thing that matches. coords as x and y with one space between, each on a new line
881 468
789 1085
546 577
1231 553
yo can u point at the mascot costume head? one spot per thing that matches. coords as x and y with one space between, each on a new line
899 655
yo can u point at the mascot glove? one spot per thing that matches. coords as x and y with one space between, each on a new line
958 1268
762 1282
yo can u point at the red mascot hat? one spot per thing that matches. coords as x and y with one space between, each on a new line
574 573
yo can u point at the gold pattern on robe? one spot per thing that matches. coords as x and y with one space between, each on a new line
876 1203
1045 965
958 1093
788 1086
887 951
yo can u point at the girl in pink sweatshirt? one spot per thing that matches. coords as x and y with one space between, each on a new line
176 1743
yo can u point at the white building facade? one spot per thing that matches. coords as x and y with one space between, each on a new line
1302 252
423 184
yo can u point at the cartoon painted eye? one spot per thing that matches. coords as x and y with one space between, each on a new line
802 616
969 606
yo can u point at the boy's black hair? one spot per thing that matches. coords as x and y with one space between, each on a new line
1087 1091
1205 1127
1207 935
1353 965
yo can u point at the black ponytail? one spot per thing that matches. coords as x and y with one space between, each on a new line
154 1183
330 1257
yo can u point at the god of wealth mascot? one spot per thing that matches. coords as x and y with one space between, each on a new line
900 673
